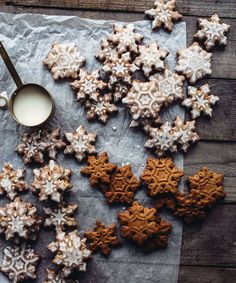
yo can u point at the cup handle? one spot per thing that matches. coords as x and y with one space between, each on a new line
3 100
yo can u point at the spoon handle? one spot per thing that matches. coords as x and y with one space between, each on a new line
10 66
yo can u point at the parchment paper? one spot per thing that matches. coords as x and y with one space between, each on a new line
28 38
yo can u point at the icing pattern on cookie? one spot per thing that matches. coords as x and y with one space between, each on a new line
151 58
194 63
164 14
200 100
64 60
212 31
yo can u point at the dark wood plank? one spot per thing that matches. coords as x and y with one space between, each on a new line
218 156
226 8
211 243
197 274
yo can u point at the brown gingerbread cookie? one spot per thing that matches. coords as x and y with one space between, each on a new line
98 169
123 186
102 238
161 176
141 224
209 183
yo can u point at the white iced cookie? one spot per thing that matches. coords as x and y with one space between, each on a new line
88 85
164 14
125 38
144 101
200 100
212 31
64 60
171 84
151 58
194 62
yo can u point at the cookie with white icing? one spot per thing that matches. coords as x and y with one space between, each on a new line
212 31
194 63
64 60
164 14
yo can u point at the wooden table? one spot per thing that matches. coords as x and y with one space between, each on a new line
208 249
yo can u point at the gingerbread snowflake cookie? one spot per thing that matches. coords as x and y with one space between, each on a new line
209 184
88 85
161 176
144 101
51 142
107 52
170 84
19 263
12 181
71 252
123 186
194 63
102 109
125 38
51 182
119 69
19 219
57 277
64 60
200 100
151 58
81 143
61 216
98 169
102 238
143 225
212 31
164 14
171 137
29 148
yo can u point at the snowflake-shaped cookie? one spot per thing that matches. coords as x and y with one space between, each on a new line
61 216
51 142
164 14
12 181
123 186
162 139
170 84
64 60
190 207
144 100
101 109
212 31
81 143
29 148
102 238
200 100
209 184
108 51
125 38
19 219
88 85
142 224
161 176
19 263
119 69
71 252
98 169
51 182
186 133
151 58
194 62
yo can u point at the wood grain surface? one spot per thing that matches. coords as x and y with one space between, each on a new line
209 248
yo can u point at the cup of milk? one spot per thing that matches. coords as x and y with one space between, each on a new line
31 104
